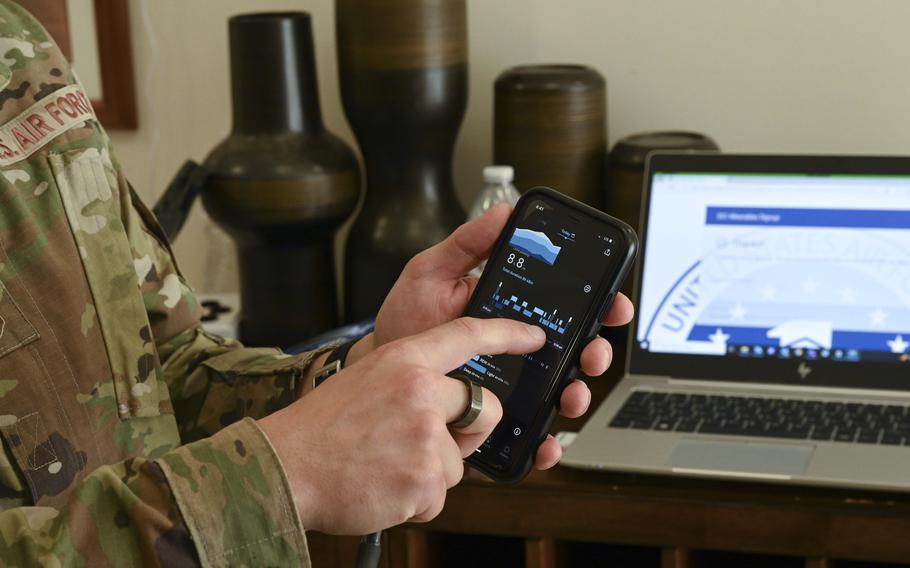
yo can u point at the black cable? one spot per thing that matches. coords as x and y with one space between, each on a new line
369 550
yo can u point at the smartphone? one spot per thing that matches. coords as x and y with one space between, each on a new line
558 265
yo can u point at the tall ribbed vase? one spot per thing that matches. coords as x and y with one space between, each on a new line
402 66
281 184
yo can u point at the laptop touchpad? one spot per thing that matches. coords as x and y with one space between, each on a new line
751 457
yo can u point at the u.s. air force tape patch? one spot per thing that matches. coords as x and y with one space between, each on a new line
40 123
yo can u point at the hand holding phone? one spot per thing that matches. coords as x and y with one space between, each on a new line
558 264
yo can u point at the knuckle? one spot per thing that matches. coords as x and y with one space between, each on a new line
418 263
407 516
423 473
433 496
436 504
472 327
492 405
496 414
455 475
425 484
416 385
424 429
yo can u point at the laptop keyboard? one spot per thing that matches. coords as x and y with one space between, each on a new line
765 417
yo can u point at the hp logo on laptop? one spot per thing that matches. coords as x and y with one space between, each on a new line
803 370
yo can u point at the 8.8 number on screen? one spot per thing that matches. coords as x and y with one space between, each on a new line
518 261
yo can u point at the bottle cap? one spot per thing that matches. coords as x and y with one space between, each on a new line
498 174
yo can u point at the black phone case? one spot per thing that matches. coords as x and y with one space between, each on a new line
569 366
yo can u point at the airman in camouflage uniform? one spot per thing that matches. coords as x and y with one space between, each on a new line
132 437
99 384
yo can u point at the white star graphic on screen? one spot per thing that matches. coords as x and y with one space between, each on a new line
878 316
898 345
768 292
738 312
810 286
719 336
848 295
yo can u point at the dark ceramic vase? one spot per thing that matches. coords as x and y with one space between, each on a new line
624 192
402 66
281 184
627 167
550 124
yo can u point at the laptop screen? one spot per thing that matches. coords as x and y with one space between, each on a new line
741 266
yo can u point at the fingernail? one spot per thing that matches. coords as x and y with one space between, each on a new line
537 333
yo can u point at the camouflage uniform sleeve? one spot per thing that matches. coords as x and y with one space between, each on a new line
212 381
223 501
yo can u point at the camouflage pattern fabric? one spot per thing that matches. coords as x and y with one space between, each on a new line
127 431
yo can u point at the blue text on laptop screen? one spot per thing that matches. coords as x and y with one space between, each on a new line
777 266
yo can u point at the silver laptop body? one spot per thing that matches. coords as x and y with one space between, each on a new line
772 331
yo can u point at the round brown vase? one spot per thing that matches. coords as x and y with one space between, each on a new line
550 124
281 184
625 184
627 167
402 66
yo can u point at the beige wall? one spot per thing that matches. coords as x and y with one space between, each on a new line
758 75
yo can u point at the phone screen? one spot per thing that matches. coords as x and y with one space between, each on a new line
548 274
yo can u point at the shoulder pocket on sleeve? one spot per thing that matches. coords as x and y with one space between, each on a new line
151 225
15 329
96 202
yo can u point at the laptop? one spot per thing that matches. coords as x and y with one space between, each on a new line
772 334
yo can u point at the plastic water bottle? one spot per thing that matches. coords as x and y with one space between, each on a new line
497 188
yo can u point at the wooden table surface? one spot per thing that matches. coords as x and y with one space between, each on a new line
676 512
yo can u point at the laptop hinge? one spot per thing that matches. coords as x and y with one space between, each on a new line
803 389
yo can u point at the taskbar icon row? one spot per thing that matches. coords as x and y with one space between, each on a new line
793 352
811 354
